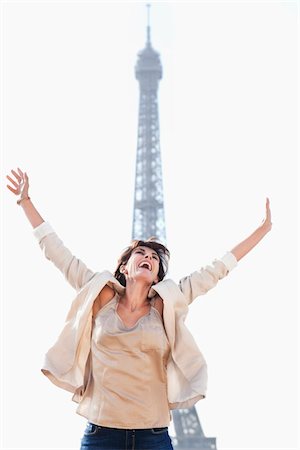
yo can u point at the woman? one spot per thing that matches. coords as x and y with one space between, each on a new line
125 352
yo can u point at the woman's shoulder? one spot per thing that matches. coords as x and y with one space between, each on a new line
105 295
158 304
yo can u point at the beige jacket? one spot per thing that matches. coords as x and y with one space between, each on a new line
66 363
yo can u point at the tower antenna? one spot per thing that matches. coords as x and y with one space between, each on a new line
148 23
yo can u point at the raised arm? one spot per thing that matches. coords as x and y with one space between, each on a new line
74 270
204 279
201 281
251 241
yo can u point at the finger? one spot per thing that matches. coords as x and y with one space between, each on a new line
11 189
12 181
16 175
20 172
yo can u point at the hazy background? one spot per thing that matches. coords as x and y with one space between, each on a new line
228 139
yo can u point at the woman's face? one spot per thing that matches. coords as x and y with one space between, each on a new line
143 264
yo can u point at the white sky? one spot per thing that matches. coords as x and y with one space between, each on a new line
228 139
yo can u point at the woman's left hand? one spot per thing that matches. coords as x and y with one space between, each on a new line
267 223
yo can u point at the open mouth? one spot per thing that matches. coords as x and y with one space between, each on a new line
145 265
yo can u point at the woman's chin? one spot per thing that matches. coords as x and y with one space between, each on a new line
147 278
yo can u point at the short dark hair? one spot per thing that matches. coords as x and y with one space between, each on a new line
152 243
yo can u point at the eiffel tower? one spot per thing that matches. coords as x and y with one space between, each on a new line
148 215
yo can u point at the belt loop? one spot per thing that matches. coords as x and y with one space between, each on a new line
133 439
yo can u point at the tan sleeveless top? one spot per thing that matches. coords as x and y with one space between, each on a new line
127 386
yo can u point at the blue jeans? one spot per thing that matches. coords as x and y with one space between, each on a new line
103 438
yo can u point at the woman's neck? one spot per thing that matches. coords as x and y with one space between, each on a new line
135 296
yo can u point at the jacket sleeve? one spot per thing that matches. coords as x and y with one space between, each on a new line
74 270
201 281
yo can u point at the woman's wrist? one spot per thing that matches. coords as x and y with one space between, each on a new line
22 200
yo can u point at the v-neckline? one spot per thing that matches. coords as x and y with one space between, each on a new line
139 319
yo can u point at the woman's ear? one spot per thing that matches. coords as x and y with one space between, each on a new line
155 281
123 269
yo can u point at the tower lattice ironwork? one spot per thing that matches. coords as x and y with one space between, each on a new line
148 217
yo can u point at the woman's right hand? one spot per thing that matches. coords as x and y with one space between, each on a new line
21 184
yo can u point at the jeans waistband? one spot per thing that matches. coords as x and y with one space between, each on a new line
130 429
